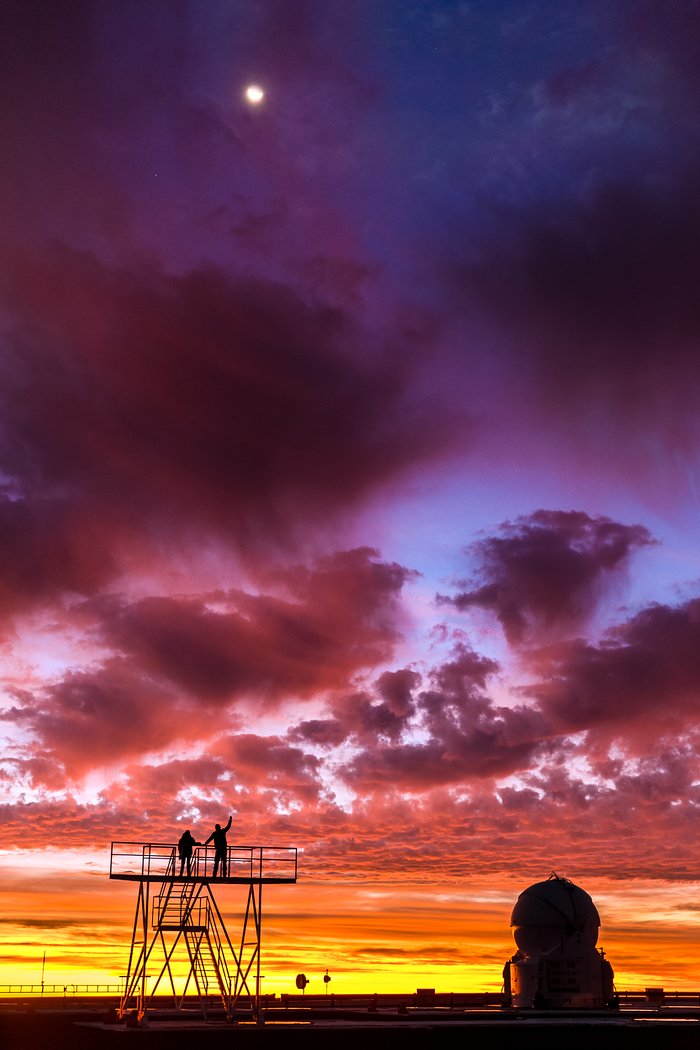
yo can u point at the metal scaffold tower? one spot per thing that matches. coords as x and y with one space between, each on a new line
177 919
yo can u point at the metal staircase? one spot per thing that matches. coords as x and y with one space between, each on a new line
180 909
208 964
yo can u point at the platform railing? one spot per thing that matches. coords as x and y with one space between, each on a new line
160 860
53 990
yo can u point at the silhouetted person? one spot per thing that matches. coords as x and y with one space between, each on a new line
220 848
184 849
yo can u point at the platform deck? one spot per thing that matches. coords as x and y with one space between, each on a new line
157 862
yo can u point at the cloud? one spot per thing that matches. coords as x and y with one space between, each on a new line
319 732
385 714
545 573
271 764
558 822
639 683
316 628
597 343
462 735
138 404
39 924
49 550
182 667
96 718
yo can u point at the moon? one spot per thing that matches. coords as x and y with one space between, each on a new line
254 94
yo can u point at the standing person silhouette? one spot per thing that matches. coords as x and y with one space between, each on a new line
184 848
220 847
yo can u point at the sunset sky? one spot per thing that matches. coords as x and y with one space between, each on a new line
349 472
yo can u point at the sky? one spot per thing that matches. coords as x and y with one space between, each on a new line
349 454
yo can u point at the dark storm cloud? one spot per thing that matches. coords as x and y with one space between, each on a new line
601 322
339 616
395 689
546 571
667 775
48 549
135 400
639 683
460 757
611 276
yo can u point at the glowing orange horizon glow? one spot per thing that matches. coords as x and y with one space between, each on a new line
370 936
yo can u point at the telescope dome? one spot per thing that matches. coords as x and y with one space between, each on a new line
553 912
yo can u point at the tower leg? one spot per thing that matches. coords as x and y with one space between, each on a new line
258 1012
135 980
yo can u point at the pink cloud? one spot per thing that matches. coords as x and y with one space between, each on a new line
96 718
327 621
182 666
271 764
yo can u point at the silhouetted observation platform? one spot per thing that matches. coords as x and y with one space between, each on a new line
159 862
181 911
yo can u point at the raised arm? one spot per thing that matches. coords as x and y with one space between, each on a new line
229 822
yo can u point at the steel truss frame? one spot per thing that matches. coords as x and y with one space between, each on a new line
187 911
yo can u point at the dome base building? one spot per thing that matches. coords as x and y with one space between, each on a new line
557 965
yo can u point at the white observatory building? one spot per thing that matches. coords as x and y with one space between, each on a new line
557 965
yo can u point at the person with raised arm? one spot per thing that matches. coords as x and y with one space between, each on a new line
220 847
